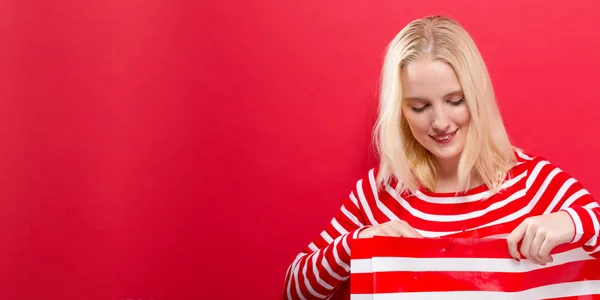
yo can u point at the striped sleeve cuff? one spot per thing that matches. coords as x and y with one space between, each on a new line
586 225
340 253
343 252
357 231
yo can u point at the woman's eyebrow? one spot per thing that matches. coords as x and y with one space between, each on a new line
459 92
455 93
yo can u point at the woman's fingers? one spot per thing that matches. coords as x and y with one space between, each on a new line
545 249
514 238
405 230
536 245
397 228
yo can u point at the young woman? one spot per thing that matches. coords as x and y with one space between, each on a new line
446 166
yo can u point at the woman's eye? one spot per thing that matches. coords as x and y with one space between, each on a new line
457 102
420 108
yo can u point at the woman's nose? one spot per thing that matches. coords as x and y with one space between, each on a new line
440 123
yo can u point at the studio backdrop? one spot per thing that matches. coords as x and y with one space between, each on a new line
173 150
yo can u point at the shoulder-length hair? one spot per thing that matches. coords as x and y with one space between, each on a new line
487 150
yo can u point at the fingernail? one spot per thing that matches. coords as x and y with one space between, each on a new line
518 260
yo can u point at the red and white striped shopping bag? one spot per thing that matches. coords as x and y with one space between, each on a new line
456 268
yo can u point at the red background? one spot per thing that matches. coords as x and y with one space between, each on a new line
190 149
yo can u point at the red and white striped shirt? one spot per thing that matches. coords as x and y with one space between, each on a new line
535 187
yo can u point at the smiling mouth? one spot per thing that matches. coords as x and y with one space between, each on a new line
444 137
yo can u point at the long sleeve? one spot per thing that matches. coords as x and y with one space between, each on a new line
324 264
585 213
569 195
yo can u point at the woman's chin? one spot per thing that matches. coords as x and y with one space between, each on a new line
446 154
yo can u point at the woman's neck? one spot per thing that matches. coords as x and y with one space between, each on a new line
447 177
450 185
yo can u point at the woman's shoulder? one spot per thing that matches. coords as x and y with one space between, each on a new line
533 163
370 181
523 156
527 158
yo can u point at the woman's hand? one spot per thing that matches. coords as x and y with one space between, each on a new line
540 235
391 228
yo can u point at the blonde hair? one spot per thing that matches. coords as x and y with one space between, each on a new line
487 149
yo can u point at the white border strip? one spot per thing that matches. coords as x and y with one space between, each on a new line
579 288
506 265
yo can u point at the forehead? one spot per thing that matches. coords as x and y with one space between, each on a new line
428 79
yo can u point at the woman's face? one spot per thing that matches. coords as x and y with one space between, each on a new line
434 108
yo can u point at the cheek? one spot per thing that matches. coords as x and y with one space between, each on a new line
463 118
417 123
